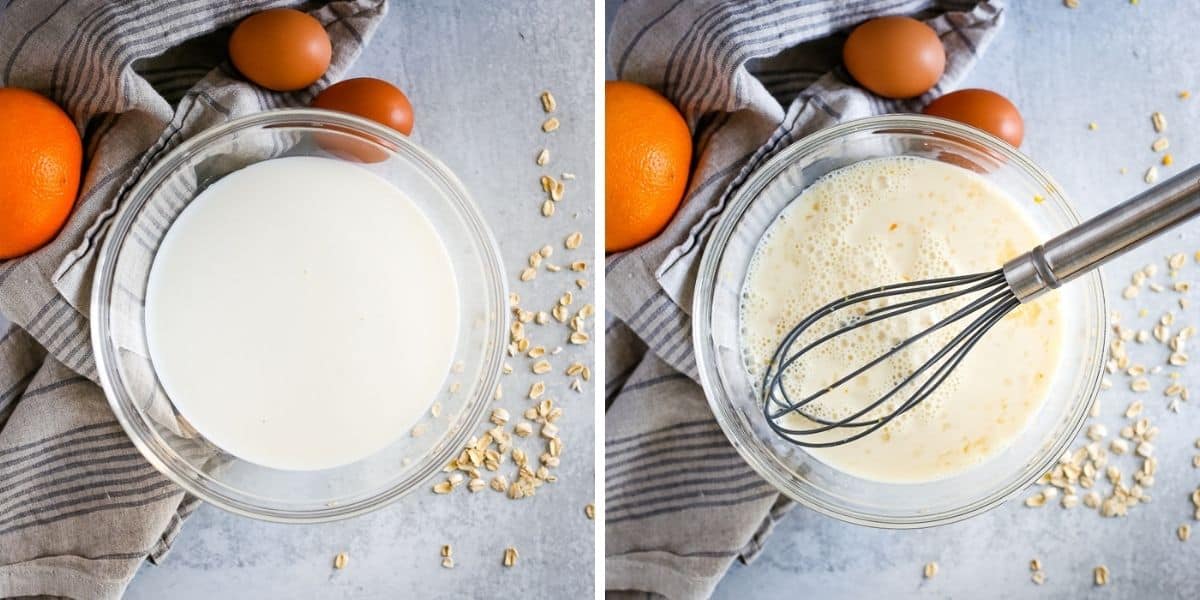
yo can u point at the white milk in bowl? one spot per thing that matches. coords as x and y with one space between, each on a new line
302 313
886 221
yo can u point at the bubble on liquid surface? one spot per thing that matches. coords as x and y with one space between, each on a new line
833 240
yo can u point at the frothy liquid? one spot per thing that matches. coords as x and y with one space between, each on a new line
302 313
886 221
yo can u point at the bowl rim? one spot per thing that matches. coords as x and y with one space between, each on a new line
723 409
402 146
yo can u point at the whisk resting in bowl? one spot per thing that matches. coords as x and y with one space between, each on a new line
985 299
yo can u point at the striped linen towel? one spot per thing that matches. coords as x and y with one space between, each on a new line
750 77
79 507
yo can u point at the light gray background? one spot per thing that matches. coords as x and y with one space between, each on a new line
1112 63
473 71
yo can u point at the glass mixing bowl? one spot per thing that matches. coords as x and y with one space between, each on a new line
730 392
147 413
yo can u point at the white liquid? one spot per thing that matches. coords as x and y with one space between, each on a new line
886 221
302 313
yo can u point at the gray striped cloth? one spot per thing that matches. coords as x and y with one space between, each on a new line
79 507
750 77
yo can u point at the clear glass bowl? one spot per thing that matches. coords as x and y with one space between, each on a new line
146 412
730 391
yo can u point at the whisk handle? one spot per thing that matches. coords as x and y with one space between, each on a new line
1104 236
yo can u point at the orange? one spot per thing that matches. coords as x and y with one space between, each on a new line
40 159
647 153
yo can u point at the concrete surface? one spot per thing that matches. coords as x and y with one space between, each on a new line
473 71
1112 63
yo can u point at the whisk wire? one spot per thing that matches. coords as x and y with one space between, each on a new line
780 367
978 327
881 292
850 421
996 296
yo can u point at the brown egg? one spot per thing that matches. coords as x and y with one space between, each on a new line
281 49
982 109
372 98
895 57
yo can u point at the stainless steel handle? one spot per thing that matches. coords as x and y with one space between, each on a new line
1104 236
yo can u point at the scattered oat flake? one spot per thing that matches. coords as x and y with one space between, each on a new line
548 102
1160 144
340 561
499 416
1100 575
1159 121
510 556
550 124
1038 577
543 157
575 239
1151 175
931 569
1184 532
590 511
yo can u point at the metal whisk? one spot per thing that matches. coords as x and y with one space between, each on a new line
987 298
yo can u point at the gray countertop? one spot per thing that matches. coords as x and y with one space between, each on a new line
1111 63
473 71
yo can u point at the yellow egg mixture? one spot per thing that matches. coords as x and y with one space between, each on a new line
887 221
